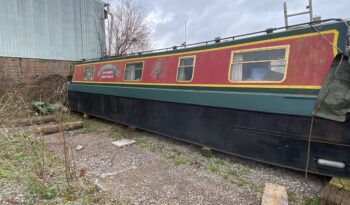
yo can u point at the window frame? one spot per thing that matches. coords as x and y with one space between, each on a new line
143 67
178 68
93 72
286 58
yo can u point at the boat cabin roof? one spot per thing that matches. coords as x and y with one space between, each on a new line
269 33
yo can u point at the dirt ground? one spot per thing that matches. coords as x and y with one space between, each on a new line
158 170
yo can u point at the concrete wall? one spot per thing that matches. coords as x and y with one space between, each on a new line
51 29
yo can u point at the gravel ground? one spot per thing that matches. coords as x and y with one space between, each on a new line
12 195
142 177
159 170
246 173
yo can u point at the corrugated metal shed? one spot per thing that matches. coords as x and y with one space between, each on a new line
51 29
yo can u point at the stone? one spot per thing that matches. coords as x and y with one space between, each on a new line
79 147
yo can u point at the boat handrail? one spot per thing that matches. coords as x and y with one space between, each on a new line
219 40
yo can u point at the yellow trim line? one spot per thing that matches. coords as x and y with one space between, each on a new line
311 87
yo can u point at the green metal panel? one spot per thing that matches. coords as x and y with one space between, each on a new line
291 104
51 29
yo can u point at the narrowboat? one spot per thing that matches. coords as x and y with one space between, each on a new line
279 96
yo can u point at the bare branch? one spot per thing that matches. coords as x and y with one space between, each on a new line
131 32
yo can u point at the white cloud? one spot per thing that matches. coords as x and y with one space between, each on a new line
207 18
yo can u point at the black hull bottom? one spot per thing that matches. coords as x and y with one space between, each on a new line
271 138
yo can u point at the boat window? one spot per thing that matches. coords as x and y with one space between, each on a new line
262 65
133 71
88 73
185 69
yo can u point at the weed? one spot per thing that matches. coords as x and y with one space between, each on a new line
213 167
70 194
292 197
17 157
244 169
196 163
126 201
35 186
90 189
92 126
179 159
259 187
115 135
4 173
312 201
221 162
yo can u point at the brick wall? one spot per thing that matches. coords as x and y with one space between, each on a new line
18 71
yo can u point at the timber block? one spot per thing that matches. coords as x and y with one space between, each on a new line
337 192
274 194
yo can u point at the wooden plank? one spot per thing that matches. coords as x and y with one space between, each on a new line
49 129
274 194
32 121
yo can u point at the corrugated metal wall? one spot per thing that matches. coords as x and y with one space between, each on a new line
51 29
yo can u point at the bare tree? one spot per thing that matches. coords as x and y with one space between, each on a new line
130 31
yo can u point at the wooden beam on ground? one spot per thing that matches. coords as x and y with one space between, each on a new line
50 129
32 121
274 194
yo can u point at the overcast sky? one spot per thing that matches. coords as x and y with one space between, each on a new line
207 19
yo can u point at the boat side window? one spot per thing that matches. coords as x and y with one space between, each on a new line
89 73
185 69
267 65
133 71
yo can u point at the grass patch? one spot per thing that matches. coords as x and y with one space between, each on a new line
102 128
92 126
212 167
312 201
179 159
292 197
17 157
35 186
153 147
126 201
4 173
24 159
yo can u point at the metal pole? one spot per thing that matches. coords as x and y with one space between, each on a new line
110 28
81 30
185 33
285 14
310 9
